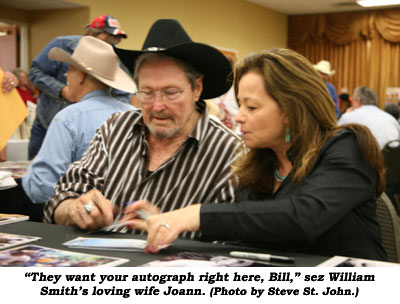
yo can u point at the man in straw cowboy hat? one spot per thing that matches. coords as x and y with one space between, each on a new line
94 69
324 69
169 152
49 76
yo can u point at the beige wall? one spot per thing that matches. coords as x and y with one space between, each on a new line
9 14
47 24
231 24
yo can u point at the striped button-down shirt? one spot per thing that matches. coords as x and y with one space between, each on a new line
116 164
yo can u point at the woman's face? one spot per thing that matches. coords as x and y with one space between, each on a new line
263 123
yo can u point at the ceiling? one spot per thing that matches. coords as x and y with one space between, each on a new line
302 7
30 5
288 7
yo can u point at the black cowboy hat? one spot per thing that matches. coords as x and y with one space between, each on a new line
168 37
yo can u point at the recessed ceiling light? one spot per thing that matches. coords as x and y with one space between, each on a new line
370 3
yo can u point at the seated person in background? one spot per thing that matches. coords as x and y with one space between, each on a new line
305 184
228 104
25 88
365 111
168 152
50 76
94 69
393 109
345 103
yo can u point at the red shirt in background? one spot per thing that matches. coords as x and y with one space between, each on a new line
26 95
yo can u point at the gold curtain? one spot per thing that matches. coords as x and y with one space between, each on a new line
363 48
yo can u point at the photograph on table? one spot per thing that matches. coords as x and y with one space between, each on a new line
38 256
9 240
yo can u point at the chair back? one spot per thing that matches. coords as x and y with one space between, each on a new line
391 156
390 227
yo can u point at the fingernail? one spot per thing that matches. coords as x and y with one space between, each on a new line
151 249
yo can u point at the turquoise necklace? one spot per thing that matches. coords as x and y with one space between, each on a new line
278 177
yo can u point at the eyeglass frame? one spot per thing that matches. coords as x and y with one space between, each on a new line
162 94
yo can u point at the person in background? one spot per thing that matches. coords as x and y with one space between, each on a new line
228 104
345 103
324 69
25 88
365 111
93 69
50 76
305 184
8 83
169 152
393 109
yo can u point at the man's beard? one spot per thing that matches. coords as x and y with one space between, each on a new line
163 134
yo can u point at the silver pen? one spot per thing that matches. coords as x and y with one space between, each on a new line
262 257
143 214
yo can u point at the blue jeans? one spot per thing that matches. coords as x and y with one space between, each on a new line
35 142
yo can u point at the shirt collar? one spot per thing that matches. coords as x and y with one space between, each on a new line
199 131
96 93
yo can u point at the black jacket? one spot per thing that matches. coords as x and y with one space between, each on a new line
331 212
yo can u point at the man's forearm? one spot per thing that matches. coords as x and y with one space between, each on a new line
45 83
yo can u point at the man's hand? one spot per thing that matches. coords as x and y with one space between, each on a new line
90 211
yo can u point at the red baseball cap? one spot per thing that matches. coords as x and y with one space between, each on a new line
108 24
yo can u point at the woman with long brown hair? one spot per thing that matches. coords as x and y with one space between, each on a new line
305 184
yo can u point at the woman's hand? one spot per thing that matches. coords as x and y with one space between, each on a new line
164 228
132 213
90 211
10 81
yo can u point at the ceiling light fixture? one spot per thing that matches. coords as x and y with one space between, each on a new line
370 3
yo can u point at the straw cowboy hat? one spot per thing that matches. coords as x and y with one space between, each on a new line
324 67
167 36
97 59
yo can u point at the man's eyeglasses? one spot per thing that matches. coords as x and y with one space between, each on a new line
170 94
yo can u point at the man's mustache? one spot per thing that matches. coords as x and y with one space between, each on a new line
161 115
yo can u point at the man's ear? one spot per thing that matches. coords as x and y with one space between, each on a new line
198 88
82 77
357 102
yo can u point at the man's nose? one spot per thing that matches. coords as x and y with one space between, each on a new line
158 101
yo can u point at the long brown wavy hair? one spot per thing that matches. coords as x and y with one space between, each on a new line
299 90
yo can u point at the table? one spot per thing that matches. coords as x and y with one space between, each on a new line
54 236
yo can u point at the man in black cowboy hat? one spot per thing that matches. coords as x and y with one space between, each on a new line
170 153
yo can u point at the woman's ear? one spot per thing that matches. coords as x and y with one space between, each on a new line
286 119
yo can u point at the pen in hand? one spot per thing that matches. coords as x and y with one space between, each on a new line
142 213
262 257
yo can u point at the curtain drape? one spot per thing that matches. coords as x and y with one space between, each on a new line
363 47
